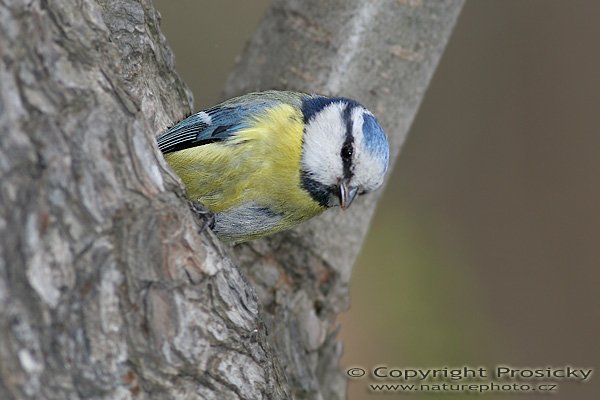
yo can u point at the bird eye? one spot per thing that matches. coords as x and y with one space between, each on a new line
347 151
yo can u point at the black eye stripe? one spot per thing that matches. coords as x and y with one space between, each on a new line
348 147
347 151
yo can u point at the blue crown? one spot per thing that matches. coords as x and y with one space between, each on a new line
375 139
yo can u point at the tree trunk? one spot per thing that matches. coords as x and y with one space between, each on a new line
107 289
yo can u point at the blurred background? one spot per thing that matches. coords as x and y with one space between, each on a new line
485 247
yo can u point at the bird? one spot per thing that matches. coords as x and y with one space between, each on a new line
266 161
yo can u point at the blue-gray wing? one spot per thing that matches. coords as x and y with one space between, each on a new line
215 124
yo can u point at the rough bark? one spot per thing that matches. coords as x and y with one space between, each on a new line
382 53
107 290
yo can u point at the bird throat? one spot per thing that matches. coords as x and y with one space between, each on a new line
319 192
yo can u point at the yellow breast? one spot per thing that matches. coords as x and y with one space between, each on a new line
260 165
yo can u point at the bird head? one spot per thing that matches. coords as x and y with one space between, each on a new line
345 152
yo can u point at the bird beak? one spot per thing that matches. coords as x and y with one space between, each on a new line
347 194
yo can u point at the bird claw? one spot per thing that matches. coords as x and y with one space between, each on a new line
205 218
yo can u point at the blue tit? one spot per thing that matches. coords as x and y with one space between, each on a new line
265 162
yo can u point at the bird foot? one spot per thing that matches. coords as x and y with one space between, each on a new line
204 217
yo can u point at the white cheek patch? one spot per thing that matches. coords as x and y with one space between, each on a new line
324 136
368 170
